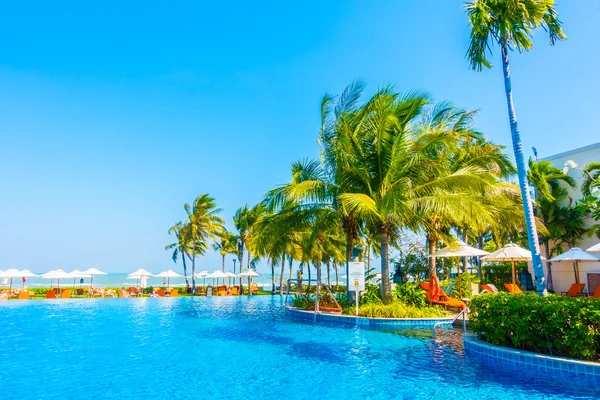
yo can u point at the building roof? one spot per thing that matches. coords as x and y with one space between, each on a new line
574 151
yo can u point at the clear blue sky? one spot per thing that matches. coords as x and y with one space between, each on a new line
113 115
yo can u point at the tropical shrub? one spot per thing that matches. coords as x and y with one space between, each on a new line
371 295
411 294
305 302
555 325
398 309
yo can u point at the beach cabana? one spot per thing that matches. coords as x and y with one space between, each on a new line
575 255
511 252
168 274
459 249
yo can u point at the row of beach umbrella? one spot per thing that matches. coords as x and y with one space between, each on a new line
57 274
142 275
512 252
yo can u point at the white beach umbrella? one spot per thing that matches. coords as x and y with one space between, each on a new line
15 273
595 248
141 275
217 274
168 274
92 272
56 274
78 274
230 275
459 249
575 255
511 252
249 273
27 274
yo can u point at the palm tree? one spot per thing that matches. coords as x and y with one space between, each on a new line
179 247
510 24
240 221
204 224
393 175
226 245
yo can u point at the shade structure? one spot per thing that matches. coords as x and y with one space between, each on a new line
56 274
168 274
142 276
459 249
216 275
249 273
511 252
92 272
595 248
15 273
230 275
575 255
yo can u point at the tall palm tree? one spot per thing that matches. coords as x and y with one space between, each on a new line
510 24
227 244
241 223
204 224
179 247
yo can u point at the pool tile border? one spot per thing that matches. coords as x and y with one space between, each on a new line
560 366
364 322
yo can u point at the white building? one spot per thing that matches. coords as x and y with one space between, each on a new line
562 272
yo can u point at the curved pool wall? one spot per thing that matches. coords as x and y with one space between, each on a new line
519 359
364 322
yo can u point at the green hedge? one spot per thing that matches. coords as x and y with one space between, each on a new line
562 326
396 309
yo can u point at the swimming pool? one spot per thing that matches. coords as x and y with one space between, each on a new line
233 347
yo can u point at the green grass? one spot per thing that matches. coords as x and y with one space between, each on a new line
396 310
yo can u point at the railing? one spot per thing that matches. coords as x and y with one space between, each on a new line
463 313
299 283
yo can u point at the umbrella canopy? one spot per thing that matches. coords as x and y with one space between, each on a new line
56 274
249 272
78 274
461 249
217 274
27 274
575 255
92 272
231 275
594 248
168 274
140 273
15 273
511 252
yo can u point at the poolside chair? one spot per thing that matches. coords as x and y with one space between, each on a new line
65 294
23 295
596 294
489 288
221 291
174 292
235 291
160 293
133 291
443 300
576 290
80 292
255 288
512 288
50 294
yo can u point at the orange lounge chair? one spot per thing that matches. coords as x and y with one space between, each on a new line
133 291
174 293
444 300
160 293
235 291
65 294
596 294
512 288
254 287
50 294
222 292
23 295
576 290
489 288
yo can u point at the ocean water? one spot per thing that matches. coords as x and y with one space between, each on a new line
235 348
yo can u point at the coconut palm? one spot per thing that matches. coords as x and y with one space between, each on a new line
226 244
204 224
181 246
394 175
510 24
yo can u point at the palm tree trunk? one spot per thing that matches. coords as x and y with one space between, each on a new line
480 246
317 300
328 273
281 276
432 244
386 290
337 276
465 262
291 260
223 263
532 236
194 272
240 259
185 269
347 225
273 275
547 251
308 267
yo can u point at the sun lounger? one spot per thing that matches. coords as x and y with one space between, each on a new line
160 293
596 294
50 294
221 292
23 295
80 292
576 290
133 291
65 294
255 288
443 300
489 288
512 288
235 291
174 292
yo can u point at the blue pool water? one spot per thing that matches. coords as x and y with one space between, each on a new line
234 348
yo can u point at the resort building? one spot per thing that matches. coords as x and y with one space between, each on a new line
563 272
